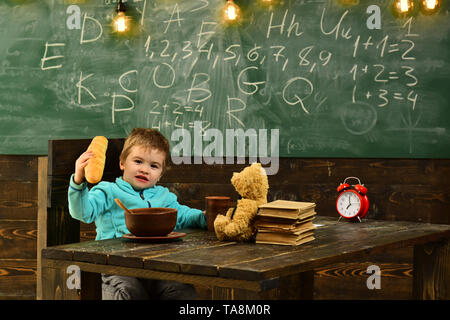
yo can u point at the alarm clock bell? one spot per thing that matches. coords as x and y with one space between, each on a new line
352 203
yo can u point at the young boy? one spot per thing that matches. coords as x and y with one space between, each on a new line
143 160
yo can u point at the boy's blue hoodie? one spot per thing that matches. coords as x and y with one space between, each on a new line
98 205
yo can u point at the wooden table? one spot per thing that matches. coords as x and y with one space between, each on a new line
248 270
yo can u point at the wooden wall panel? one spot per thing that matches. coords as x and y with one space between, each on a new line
17 279
18 226
18 239
399 189
18 200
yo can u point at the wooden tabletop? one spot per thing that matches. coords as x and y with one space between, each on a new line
200 253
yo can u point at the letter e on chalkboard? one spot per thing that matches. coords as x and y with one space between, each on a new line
46 58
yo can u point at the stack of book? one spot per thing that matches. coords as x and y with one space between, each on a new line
285 222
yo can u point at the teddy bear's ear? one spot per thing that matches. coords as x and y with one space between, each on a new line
263 171
256 165
234 177
261 168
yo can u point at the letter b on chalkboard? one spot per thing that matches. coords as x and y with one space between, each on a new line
74 20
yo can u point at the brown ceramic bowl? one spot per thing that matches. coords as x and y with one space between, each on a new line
145 222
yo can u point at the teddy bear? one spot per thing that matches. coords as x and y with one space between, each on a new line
252 185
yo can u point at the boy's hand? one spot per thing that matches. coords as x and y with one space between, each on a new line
80 164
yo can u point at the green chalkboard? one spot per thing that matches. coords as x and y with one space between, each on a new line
307 78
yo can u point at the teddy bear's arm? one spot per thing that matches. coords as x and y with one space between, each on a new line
241 222
219 226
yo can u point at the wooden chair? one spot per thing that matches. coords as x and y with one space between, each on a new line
55 225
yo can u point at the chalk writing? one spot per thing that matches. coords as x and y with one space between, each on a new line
316 70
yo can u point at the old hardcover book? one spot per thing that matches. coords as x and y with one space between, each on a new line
281 224
284 238
285 222
287 209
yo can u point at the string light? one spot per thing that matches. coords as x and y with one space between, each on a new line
267 3
404 6
430 6
349 2
121 20
231 12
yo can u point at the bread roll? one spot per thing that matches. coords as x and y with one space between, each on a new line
94 169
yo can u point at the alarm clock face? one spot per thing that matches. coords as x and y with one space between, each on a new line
348 204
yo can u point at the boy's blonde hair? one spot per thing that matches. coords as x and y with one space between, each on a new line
147 138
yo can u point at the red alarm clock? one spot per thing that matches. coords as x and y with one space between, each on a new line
352 202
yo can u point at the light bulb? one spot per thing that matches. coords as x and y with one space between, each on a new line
120 22
231 11
404 6
430 6
268 4
349 2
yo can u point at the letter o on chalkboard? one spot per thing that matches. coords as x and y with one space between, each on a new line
155 77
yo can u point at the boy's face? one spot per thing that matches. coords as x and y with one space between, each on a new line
143 167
